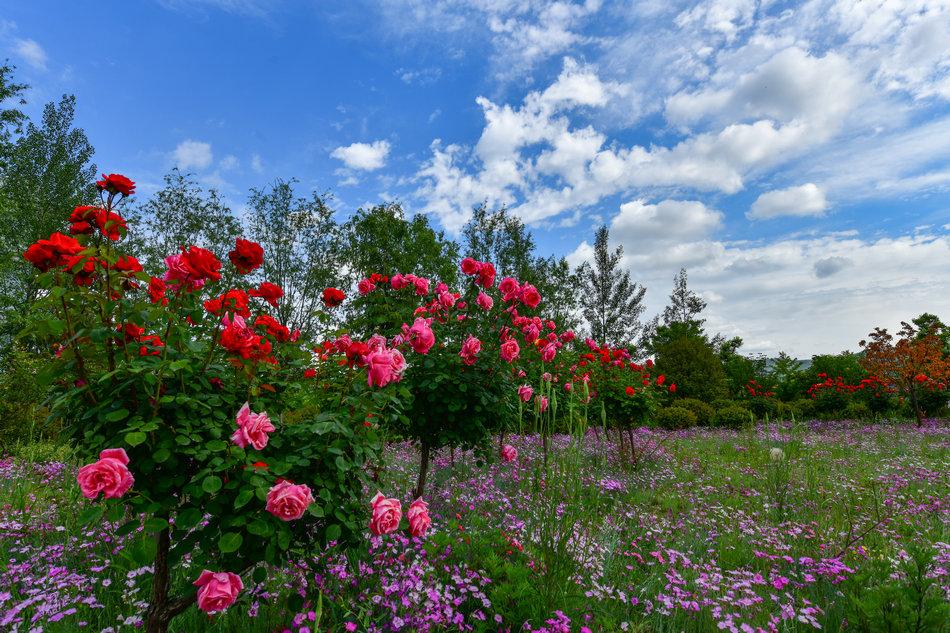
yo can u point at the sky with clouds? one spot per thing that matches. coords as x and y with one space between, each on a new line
793 156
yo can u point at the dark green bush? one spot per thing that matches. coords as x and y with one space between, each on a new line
857 411
732 416
23 416
704 412
675 417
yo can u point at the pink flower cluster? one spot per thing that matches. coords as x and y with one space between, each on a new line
400 281
384 364
387 512
483 271
217 590
512 291
470 349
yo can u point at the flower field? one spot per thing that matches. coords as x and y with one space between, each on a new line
784 527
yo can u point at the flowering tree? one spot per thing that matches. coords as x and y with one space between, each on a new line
172 388
911 364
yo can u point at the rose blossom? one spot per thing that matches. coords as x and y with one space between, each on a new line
110 475
252 428
386 515
418 515
288 501
509 453
470 349
542 403
217 591
525 392
246 256
421 337
509 350
484 301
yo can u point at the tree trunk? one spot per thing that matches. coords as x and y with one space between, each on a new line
423 470
501 442
633 449
917 412
161 610
622 451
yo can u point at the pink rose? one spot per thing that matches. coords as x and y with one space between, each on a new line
567 336
365 286
548 352
110 475
531 333
386 515
484 301
384 366
288 501
525 392
418 515
421 337
398 281
509 453
470 349
530 296
509 288
422 286
252 428
447 299
217 591
470 266
542 403
510 350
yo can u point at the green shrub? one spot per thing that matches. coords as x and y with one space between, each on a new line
732 416
23 417
857 411
675 417
704 412
804 408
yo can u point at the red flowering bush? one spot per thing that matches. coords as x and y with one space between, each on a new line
173 390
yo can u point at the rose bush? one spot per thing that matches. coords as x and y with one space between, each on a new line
173 388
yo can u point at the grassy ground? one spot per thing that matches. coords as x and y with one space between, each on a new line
845 527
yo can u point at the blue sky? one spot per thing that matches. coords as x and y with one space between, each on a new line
795 157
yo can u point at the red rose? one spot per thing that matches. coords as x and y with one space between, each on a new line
82 268
273 326
156 291
332 297
673 388
151 345
201 263
116 183
130 332
246 256
486 275
234 300
54 252
111 224
268 292
128 264
310 372
630 391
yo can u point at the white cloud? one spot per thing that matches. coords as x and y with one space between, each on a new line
803 200
641 226
256 163
193 154
31 52
364 156
229 162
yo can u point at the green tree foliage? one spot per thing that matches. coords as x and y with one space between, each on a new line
47 172
692 364
302 251
613 304
685 305
182 213
785 375
11 117
504 240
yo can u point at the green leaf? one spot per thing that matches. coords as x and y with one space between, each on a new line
260 574
90 514
135 438
127 528
155 524
243 497
230 542
115 416
216 445
188 518
162 455
333 532
260 527
211 484
283 539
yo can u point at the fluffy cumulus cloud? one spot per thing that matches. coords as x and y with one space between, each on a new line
363 156
803 200
192 154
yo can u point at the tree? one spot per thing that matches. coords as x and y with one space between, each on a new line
47 173
784 374
11 118
685 305
692 364
301 243
181 213
613 303
911 364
